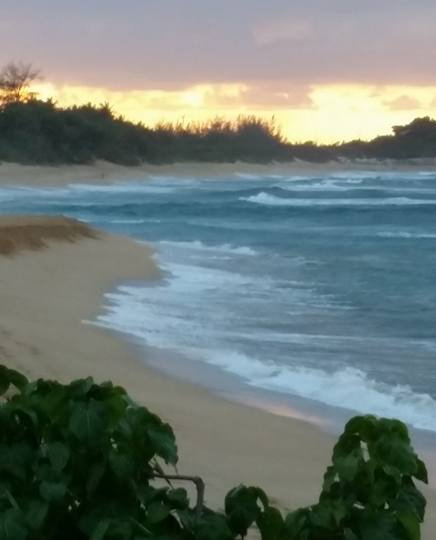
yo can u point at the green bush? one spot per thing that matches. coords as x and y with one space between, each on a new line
81 461
36 131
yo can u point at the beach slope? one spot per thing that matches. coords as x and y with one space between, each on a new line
53 275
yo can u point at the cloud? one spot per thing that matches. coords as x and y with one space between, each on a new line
403 103
172 44
282 31
168 44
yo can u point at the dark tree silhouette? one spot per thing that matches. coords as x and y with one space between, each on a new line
15 81
36 131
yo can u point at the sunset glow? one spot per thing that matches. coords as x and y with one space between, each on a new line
328 113
349 71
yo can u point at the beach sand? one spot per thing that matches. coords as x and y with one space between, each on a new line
103 172
45 295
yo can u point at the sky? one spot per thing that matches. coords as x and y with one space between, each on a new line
327 70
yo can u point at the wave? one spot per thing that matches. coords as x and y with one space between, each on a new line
338 388
123 187
128 221
163 325
157 316
321 185
78 189
405 234
248 176
222 248
267 199
328 185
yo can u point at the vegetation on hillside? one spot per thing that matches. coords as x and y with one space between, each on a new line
35 131
80 462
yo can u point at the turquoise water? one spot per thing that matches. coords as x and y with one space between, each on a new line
317 287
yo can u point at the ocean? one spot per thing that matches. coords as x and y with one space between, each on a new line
315 292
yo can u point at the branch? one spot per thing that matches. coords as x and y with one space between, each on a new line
199 485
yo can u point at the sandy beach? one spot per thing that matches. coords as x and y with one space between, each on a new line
102 172
48 290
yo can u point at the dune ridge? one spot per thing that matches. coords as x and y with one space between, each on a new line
18 233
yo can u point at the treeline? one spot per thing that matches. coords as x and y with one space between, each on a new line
37 131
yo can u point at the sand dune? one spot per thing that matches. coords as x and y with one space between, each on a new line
24 232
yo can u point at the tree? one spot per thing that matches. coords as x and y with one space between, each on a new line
15 81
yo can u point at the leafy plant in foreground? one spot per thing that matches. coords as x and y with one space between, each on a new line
80 461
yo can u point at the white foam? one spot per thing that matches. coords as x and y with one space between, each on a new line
165 324
341 186
197 245
77 189
341 387
248 176
267 199
123 187
128 221
158 316
405 234
338 389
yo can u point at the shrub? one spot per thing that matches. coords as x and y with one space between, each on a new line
80 461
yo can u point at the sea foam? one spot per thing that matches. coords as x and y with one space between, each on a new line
162 325
267 199
197 245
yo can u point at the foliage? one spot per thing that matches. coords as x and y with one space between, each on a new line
15 80
34 131
41 132
81 461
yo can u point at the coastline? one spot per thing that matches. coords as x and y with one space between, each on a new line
51 291
102 172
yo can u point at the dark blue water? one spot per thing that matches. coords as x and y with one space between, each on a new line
319 287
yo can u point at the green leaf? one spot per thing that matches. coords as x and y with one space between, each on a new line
15 458
81 387
421 471
322 517
10 376
394 451
242 508
95 474
411 525
178 498
378 526
122 465
271 524
157 511
36 513
52 491
348 466
410 499
213 527
58 454
297 523
363 426
12 526
349 535
163 439
87 421
100 531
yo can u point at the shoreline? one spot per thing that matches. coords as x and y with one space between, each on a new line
102 172
42 334
323 417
